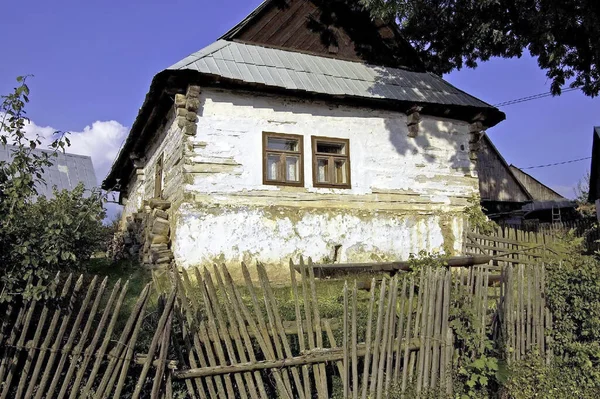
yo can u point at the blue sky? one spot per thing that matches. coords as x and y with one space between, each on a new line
93 63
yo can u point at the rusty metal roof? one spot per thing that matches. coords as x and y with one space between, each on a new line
305 72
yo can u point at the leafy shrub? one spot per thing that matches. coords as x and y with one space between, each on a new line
39 236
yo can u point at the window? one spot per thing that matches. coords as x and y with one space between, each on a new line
331 162
158 178
282 159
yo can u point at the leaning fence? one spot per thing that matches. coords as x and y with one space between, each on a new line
206 335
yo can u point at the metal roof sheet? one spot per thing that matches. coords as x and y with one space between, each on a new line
66 173
298 71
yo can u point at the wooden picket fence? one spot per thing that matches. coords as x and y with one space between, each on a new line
71 346
215 337
525 319
512 247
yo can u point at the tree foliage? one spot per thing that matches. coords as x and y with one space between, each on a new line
564 36
39 236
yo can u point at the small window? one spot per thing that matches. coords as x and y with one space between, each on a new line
282 159
158 178
331 162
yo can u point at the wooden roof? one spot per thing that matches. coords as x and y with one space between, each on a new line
537 190
340 29
496 181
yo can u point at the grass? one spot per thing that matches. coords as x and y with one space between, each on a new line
124 270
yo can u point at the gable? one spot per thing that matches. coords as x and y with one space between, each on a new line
332 28
537 190
496 180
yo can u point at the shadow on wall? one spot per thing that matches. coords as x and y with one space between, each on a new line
448 147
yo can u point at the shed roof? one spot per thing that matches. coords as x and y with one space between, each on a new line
538 190
67 171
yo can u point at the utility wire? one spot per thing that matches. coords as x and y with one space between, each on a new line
531 98
556 163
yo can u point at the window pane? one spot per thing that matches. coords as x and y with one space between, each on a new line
322 170
331 148
273 162
292 169
341 172
281 144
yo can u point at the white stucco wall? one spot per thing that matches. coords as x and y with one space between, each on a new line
406 193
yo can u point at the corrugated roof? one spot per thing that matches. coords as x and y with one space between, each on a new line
66 172
298 71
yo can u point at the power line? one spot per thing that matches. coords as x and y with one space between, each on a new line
557 163
531 98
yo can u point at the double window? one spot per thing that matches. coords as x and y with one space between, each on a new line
283 161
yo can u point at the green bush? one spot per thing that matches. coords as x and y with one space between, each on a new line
39 236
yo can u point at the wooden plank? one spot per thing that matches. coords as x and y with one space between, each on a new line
116 353
16 351
309 320
125 363
57 343
433 277
445 360
317 325
346 362
162 360
423 330
277 327
195 346
41 324
212 302
389 358
281 376
89 350
237 336
333 344
75 356
378 333
542 310
213 331
408 325
354 344
400 330
320 356
417 326
437 330
102 350
369 344
299 326
384 345
161 325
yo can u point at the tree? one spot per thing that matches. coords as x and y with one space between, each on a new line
38 236
564 35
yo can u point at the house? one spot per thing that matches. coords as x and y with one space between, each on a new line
307 129
66 172
594 192
510 195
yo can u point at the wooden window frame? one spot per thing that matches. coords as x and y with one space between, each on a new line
159 170
283 153
332 158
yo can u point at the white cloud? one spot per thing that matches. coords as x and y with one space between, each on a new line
101 141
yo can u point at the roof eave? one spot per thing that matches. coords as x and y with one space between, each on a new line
163 80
